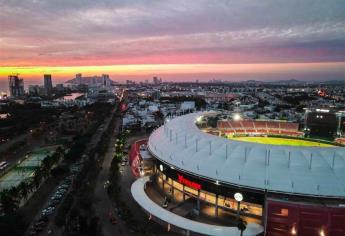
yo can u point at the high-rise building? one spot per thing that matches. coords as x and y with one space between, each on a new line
34 90
16 86
105 80
157 80
59 88
48 85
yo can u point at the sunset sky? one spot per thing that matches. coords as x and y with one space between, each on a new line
173 39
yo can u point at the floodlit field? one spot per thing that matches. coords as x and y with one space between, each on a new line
281 141
14 178
25 169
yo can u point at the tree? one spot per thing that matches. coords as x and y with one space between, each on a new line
45 167
37 177
24 189
9 200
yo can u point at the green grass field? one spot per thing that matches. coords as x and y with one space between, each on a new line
280 141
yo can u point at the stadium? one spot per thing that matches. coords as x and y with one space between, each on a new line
264 172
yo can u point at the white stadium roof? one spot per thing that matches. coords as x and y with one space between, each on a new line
312 171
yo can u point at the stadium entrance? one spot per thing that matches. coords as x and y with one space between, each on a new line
212 199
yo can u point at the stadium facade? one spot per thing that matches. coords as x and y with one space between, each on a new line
287 190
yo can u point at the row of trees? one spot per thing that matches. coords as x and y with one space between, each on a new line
76 212
24 117
114 188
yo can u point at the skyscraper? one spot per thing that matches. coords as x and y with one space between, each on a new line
48 85
105 80
16 86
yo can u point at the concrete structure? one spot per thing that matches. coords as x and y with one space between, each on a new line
289 190
181 224
48 85
16 86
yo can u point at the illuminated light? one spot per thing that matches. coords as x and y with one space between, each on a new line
293 230
322 232
169 227
161 167
189 183
237 117
238 197
217 182
199 119
150 217
173 168
322 110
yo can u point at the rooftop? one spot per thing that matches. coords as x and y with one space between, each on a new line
314 171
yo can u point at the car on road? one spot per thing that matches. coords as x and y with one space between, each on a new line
113 220
48 211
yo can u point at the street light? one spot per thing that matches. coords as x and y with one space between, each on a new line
199 119
238 197
322 232
293 230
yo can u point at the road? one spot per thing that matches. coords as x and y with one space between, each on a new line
103 203
93 143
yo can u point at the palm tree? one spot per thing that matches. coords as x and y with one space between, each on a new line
9 201
31 185
37 177
45 167
23 188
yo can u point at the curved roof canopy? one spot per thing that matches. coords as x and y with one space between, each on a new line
139 195
313 171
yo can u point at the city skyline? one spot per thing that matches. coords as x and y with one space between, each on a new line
177 40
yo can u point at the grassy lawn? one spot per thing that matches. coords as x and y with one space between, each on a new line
280 141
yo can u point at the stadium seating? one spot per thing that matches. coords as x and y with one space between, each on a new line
340 140
259 127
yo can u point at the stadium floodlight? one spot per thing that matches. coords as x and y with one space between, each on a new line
237 117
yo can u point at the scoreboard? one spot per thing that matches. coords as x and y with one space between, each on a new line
322 124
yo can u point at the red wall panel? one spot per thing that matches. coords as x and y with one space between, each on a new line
287 218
